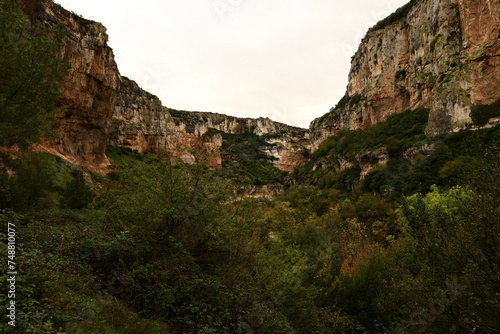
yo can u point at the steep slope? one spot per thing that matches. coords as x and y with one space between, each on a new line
141 123
438 54
89 88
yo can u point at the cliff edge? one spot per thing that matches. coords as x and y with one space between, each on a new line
438 54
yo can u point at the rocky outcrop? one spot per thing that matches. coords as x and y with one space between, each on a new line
365 161
439 54
368 160
102 108
289 145
287 153
89 88
263 191
140 122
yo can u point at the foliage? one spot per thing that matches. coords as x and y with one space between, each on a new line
243 146
30 77
345 102
252 172
410 162
37 180
348 101
245 163
394 17
350 143
457 233
167 248
77 194
481 113
179 114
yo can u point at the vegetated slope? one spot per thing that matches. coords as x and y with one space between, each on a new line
395 157
163 247
157 247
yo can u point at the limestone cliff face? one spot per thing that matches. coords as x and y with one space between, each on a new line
289 146
140 122
439 54
89 88
102 108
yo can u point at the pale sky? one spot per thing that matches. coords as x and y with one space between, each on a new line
283 59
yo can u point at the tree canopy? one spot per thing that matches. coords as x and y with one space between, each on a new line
30 75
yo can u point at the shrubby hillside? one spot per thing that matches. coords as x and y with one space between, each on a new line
384 230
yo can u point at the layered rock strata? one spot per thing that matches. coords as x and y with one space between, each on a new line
103 108
439 54
140 122
89 88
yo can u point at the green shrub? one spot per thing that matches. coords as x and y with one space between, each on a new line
482 113
77 194
252 172
245 146
394 17
399 131
30 77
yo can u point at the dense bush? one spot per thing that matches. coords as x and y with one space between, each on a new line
36 181
407 127
394 17
30 77
245 163
168 249
481 114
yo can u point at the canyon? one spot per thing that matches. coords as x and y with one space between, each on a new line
103 108
438 54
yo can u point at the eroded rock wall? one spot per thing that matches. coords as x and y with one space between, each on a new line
140 122
102 108
442 54
89 88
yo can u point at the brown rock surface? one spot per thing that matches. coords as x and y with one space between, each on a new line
89 88
443 55
140 122
101 108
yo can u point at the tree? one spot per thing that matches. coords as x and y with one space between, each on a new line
30 75
77 194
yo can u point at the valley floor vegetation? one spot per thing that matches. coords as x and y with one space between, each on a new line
160 247
155 246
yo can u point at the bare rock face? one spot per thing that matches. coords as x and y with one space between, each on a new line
439 54
287 152
289 145
102 108
89 88
141 123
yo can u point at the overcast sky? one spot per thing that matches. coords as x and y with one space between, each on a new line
283 59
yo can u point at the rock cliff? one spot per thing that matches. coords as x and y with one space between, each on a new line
289 145
140 122
439 54
89 88
102 108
